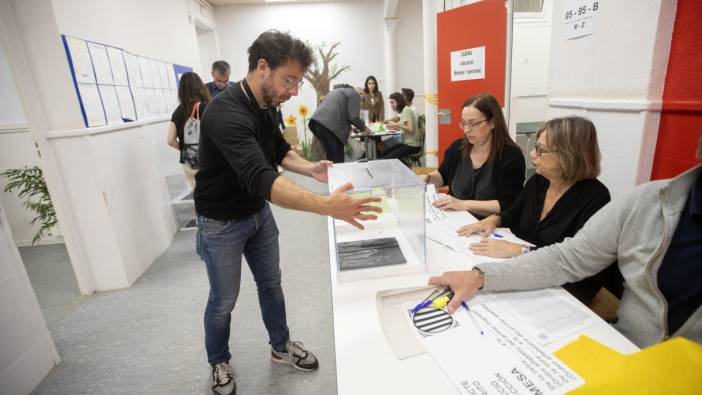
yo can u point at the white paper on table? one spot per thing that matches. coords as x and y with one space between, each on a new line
145 72
126 104
501 360
545 315
92 105
101 64
110 103
133 72
119 71
80 58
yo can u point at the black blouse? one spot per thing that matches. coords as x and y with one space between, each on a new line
567 216
505 175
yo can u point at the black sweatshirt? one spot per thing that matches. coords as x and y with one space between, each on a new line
507 172
240 150
568 215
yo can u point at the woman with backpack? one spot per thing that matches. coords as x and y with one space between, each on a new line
184 128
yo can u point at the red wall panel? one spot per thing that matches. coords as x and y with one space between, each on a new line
681 115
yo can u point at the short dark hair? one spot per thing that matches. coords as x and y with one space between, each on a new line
574 140
408 94
488 105
277 48
397 96
221 66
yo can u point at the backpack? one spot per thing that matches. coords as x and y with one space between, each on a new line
191 137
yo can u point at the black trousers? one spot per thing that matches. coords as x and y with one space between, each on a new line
333 147
402 152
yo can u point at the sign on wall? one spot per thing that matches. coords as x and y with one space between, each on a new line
116 86
580 18
468 64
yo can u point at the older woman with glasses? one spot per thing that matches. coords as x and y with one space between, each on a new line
484 170
556 202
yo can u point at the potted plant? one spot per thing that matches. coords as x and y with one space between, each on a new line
30 184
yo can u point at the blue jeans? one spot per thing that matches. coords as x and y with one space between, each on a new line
221 245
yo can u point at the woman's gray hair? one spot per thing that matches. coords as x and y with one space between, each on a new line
574 140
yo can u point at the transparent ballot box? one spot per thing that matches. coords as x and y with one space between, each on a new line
393 244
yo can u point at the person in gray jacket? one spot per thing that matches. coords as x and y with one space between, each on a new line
331 122
655 233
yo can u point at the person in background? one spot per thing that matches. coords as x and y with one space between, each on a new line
332 120
655 234
408 94
191 92
485 169
241 148
220 78
556 201
372 100
407 124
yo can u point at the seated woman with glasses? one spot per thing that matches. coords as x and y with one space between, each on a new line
484 170
556 202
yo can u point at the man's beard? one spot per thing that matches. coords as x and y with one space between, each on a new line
268 96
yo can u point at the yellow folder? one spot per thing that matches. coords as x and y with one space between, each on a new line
670 367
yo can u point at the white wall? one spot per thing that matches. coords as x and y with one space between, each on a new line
17 150
27 353
615 77
358 25
410 51
132 220
111 180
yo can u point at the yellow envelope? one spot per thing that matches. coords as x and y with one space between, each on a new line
671 367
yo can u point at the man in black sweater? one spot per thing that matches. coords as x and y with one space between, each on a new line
240 150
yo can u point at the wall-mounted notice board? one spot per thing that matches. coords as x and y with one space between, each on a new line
116 86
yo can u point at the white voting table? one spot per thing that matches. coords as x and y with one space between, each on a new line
365 363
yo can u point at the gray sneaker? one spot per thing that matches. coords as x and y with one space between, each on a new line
223 380
296 355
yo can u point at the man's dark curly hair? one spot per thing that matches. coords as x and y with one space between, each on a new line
278 48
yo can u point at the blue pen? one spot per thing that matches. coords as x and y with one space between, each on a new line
472 317
427 302
496 235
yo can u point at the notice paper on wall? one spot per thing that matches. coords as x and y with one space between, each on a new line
580 17
468 64
80 60
482 352
92 105
133 72
110 103
119 71
101 64
126 104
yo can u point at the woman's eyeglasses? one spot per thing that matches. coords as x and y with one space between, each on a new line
540 149
470 125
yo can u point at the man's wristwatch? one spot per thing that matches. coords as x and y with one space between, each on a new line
481 274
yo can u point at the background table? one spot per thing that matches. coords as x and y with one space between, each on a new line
369 140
